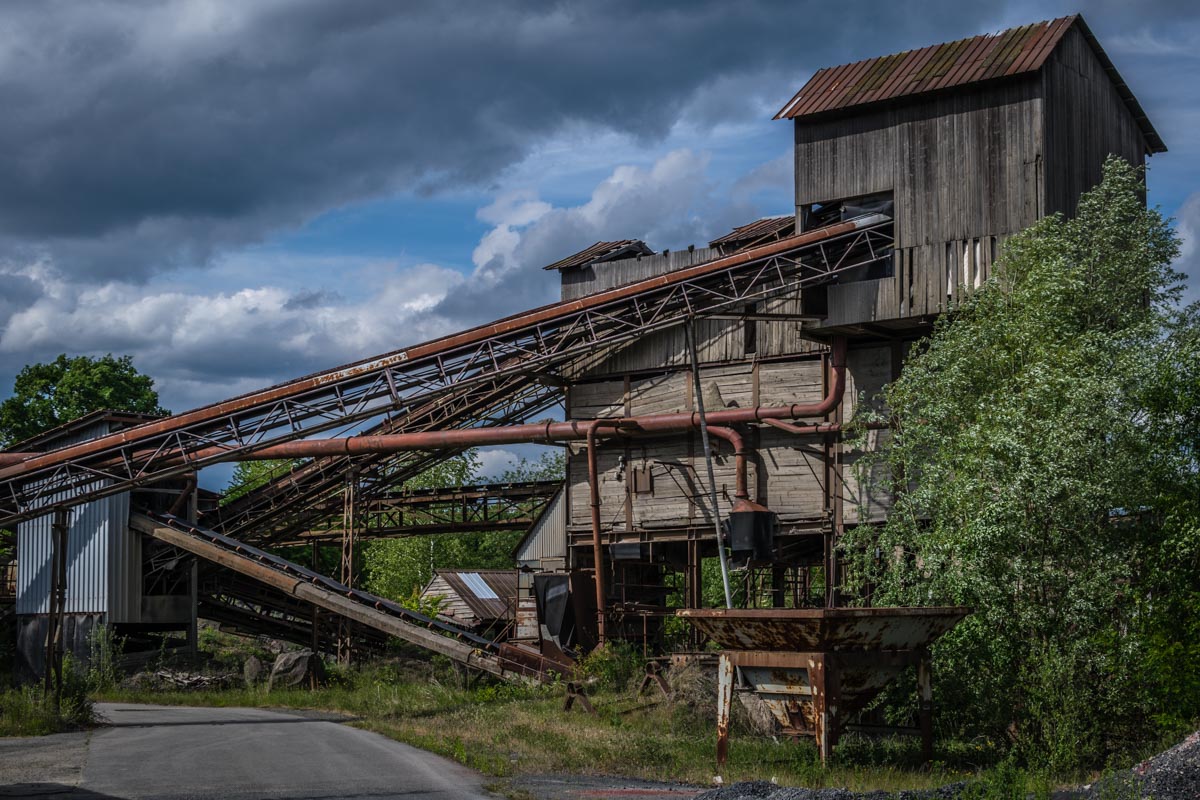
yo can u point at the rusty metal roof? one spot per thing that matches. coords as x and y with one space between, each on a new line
993 56
603 251
760 231
490 593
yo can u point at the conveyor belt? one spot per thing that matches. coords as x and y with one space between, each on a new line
507 661
403 381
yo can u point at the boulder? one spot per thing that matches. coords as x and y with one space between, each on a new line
295 669
252 671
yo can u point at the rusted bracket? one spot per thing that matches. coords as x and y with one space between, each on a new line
654 674
575 692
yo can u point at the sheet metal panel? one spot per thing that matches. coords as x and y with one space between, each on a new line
103 558
547 539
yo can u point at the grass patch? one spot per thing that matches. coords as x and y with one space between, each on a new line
504 730
23 712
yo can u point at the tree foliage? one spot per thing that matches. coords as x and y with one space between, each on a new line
1046 434
47 395
400 568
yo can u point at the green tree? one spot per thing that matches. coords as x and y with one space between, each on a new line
47 395
400 568
1047 436
250 475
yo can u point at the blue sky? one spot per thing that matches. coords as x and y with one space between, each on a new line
238 193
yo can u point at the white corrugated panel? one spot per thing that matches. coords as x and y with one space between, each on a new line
547 538
91 569
478 585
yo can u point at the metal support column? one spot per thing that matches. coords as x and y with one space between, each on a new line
348 571
60 531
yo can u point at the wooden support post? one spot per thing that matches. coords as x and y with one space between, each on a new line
925 709
724 708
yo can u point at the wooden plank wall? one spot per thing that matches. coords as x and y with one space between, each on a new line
1085 121
965 172
577 282
961 166
927 280
788 476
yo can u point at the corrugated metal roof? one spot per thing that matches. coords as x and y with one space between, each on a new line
491 593
992 56
760 231
603 251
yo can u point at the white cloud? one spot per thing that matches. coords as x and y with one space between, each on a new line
1188 227
494 461
286 314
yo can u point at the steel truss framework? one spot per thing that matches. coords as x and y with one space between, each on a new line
293 502
449 509
406 380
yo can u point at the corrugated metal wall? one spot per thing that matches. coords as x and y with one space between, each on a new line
103 556
545 547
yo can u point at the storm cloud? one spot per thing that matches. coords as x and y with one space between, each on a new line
141 137
148 146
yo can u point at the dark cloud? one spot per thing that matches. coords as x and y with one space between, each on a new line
139 137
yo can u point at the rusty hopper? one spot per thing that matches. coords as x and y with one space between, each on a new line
815 667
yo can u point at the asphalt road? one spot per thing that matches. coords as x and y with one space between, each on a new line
227 753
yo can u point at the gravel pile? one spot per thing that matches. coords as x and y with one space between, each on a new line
1170 775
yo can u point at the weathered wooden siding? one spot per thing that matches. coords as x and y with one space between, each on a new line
1085 121
964 170
577 282
788 473
452 607
961 166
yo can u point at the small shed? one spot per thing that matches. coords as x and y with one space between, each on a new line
480 600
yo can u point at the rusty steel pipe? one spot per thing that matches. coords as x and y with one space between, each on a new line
597 545
209 414
547 432
735 439
823 427
181 503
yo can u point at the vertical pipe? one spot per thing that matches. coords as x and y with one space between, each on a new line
597 545
690 335
741 490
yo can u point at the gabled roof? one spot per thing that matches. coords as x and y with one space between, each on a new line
978 59
760 231
116 419
603 251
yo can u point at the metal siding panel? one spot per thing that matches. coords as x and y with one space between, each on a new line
88 548
548 537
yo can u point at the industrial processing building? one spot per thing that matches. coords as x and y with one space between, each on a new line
911 170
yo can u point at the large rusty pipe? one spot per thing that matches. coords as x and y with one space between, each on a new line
597 545
823 427
210 414
573 430
185 495
741 490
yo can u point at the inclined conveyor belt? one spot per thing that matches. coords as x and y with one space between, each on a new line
505 660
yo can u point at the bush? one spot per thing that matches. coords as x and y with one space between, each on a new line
613 665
